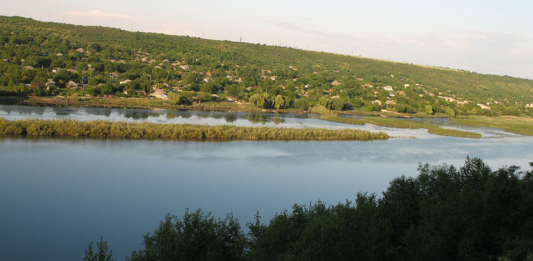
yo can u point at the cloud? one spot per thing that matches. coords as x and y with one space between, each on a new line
101 14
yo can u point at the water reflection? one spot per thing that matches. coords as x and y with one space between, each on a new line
15 112
230 117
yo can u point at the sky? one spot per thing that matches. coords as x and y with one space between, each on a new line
484 36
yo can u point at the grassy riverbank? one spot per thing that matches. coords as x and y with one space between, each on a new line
398 123
519 125
182 132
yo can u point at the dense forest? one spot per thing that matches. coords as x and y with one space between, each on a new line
445 213
64 60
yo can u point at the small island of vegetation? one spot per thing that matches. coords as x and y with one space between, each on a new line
181 132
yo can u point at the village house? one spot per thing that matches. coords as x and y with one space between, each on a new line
125 81
388 88
72 85
50 83
483 106
159 93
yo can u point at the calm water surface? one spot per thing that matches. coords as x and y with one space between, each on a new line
57 195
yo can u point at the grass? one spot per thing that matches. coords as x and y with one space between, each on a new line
405 124
182 132
519 125
453 133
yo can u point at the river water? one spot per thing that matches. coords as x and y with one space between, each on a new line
57 195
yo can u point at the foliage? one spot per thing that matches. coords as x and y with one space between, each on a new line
319 109
182 132
195 236
302 103
510 124
101 255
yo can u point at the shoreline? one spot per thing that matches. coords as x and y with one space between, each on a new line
517 125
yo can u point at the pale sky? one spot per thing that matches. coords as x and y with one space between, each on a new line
484 36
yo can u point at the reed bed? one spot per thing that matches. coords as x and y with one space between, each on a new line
182 132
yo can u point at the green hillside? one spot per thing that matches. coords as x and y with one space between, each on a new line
43 58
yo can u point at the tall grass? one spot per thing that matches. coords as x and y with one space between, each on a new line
398 123
453 133
517 125
184 132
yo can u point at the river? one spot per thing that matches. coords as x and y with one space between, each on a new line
57 195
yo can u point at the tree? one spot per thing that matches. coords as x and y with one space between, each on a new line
302 103
325 101
429 109
337 104
279 102
174 98
101 255
450 112
195 236
258 100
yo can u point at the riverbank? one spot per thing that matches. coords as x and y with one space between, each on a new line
182 132
518 125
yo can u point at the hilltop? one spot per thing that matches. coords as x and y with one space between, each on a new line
64 60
